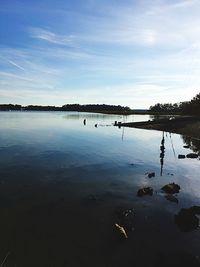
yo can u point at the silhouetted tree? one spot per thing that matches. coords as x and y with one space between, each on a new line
188 107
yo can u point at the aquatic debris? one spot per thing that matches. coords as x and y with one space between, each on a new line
151 174
181 156
186 146
187 220
121 230
171 188
145 191
4 260
125 217
171 198
192 156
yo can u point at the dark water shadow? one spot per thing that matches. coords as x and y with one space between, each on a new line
177 259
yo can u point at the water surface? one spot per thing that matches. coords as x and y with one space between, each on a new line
63 183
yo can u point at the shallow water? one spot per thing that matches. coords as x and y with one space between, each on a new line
62 183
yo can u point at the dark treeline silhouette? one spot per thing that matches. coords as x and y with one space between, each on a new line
191 107
10 107
93 107
166 107
68 107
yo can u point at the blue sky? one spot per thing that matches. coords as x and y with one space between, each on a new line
134 53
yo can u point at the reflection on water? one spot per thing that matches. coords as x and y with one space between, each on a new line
158 117
162 154
192 143
64 186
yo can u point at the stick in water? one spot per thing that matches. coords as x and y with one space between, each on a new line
5 259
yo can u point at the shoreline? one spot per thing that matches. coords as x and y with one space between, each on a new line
188 126
116 112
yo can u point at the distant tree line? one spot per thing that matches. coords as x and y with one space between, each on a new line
94 107
191 107
10 107
67 107
166 107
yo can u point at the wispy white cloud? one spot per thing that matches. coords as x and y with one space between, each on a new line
157 23
165 7
51 37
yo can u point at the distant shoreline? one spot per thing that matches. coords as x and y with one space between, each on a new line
125 113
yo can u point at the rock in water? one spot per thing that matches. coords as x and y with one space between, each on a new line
145 191
192 156
171 198
125 218
151 174
171 188
181 156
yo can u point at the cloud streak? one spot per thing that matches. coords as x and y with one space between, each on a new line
51 37
15 64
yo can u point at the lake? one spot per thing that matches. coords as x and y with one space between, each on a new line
65 184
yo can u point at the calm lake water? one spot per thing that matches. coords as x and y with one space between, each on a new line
64 185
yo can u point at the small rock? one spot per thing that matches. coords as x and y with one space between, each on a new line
181 156
171 188
132 164
151 174
186 146
125 218
171 198
145 191
192 156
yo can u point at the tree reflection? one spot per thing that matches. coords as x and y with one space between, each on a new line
162 154
192 143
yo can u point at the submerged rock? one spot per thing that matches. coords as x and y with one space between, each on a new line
192 155
181 156
145 191
151 174
171 198
170 174
171 188
125 218
187 220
